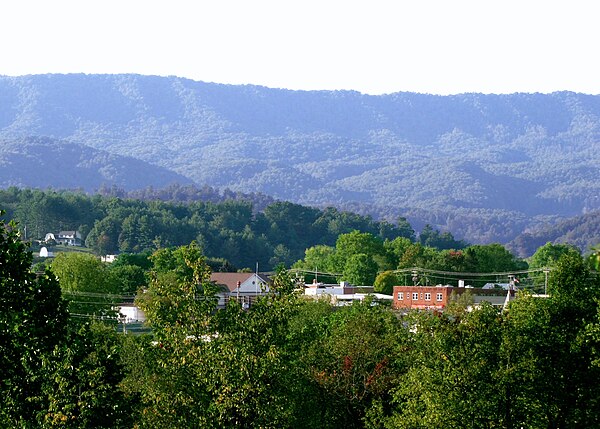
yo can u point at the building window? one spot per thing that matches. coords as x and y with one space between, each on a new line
415 296
400 296
439 297
427 297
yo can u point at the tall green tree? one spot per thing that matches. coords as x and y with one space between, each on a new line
417 255
354 243
81 379
550 376
405 229
453 376
385 282
355 362
360 270
549 254
433 238
395 249
104 236
317 258
87 283
494 258
33 320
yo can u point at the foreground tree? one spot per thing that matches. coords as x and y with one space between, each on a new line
81 379
208 368
33 320
550 379
254 380
354 362
170 374
452 381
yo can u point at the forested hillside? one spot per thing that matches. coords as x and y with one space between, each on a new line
44 162
485 167
232 229
581 231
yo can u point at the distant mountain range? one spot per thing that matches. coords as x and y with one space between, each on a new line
41 162
580 231
485 167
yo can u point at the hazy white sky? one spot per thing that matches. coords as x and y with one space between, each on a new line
374 46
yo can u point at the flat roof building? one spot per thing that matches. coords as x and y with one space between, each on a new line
438 297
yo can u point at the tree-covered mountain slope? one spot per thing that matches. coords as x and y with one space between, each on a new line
483 166
581 231
44 162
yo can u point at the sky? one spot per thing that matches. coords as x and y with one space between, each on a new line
374 46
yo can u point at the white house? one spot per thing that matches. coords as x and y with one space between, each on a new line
67 238
243 286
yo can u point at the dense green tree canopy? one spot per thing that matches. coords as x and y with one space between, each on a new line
233 229
385 282
360 270
549 254
89 285
533 364
33 321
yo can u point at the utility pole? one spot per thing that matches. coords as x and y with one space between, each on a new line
415 278
511 286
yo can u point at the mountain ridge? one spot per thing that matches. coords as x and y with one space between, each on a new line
41 162
509 160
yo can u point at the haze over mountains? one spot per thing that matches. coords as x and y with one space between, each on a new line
39 162
485 167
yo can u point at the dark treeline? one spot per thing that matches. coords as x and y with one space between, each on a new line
232 229
177 193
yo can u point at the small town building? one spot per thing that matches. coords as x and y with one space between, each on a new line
438 297
343 293
245 287
130 313
109 259
66 238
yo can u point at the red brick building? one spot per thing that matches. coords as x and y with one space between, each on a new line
422 297
437 297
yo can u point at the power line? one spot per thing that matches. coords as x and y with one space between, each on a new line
92 316
467 274
98 295
320 273
92 302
